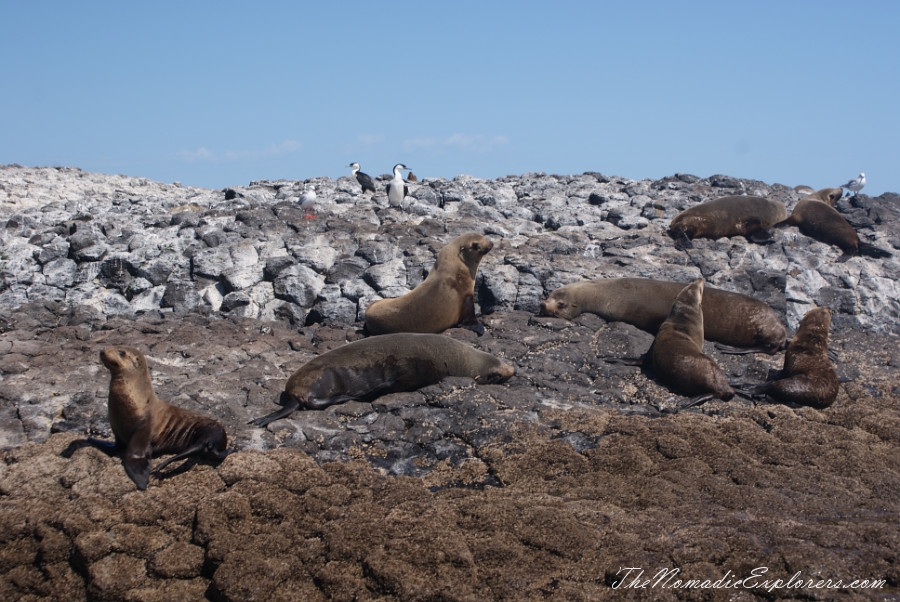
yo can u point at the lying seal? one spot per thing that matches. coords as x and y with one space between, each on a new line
747 216
367 368
822 222
808 377
445 298
145 426
829 196
676 355
729 318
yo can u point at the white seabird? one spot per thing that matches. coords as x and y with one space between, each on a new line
308 202
397 188
857 184
363 178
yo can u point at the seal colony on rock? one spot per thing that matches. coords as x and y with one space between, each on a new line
374 366
822 222
446 298
731 319
145 426
747 216
677 357
808 377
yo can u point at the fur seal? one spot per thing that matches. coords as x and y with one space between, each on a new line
390 363
145 426
808 377
748 216
676 355
729 318
822 222
444 299
829 196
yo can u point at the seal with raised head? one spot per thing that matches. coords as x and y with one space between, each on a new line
445 298
822 222
829 196
808 377
145 426
748 216
677 357
390 363
732 319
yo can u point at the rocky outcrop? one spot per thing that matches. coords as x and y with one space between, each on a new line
542 487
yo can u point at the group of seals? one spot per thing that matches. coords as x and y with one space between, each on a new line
405 353
145 426
752 217
374 366
729 318
445 298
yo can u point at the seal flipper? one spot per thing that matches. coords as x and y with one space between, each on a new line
467 317
110 448
136 458
872 251
695 401
682 240
290 404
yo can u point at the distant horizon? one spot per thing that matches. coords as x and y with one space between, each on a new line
217 94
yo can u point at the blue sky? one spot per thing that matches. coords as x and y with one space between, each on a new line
220 93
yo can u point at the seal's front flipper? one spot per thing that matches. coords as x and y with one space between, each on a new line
467 317
137 457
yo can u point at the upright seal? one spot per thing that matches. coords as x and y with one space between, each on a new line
677 357
808 377
145 426
445 298
374 366
729 318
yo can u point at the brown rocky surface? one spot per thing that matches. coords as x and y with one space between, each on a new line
532 490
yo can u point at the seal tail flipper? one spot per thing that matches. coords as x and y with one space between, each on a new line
290 404
872 251
749 390
196 448
108 447
690 402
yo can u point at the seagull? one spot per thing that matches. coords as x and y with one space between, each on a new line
363 178
397 188
857 184
308 202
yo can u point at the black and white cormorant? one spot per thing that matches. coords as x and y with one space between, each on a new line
397 188
363 178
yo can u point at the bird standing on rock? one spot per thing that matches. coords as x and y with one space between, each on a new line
308 202
857 184
363 178
397 188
